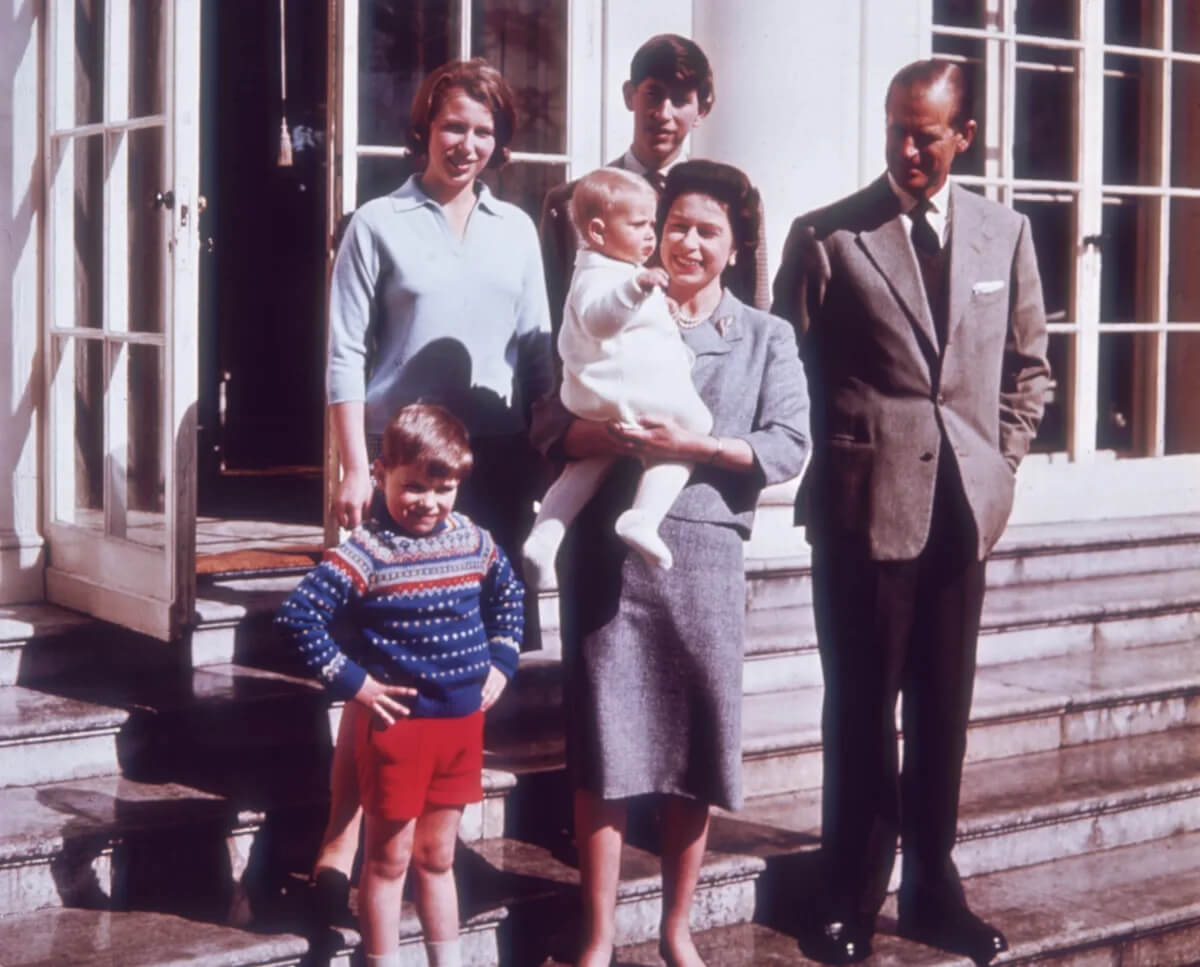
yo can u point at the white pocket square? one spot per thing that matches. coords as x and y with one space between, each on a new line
986 288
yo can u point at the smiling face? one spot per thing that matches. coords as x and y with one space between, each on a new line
663 117
626 231
922 141
697 243
462 138
417 501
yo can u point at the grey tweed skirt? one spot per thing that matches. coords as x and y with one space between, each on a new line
653 660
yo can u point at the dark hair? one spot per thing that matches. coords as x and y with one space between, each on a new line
431 437
743 205
921 75
676 61
480 81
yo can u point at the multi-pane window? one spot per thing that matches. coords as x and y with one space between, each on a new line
107 286
1089 123
401 41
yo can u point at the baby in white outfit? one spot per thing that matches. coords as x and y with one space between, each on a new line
623 359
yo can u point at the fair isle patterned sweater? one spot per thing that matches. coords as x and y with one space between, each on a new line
434 612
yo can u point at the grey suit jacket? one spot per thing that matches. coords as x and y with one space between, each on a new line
560 242
888 401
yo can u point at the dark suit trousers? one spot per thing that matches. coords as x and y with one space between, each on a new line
889 628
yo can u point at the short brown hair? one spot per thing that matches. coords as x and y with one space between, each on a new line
597 192
922 75
676 62
431 437
480 81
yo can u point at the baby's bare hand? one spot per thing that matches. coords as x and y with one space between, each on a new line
650 279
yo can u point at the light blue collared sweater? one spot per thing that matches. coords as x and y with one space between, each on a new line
417 314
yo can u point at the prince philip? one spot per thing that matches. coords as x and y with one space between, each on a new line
923 333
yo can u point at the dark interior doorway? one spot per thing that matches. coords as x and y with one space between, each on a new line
263 281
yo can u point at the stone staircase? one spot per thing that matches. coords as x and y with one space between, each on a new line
159 803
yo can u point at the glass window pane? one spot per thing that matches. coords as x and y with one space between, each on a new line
381 176
1186 34
87 247
526 40
1133 23
149 228
1185 125
89 61
1048 18
1183 279
399 42
1129 263
1132 130
147 45
1054 432
525 183
1053 223
79 424
144 464
970 55
960 13
1047 93
1182 427
1125 392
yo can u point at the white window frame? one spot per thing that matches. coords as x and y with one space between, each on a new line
1089 188
148 588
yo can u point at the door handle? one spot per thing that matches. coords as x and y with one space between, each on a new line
164 199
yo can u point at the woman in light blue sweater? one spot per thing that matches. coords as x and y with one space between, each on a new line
437 295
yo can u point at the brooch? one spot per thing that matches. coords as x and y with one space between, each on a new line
724 325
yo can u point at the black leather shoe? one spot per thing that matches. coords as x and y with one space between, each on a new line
838 942
956 930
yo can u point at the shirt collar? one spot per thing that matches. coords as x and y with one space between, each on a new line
631 163
938 214
411 195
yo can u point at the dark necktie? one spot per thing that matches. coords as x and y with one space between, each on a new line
658 181
925 240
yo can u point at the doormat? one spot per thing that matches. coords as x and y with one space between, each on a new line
251 561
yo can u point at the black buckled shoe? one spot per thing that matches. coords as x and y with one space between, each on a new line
838 942
954 929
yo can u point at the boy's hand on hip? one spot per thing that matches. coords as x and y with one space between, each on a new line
493 687
382 700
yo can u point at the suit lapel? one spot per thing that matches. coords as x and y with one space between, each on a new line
970 233
888 248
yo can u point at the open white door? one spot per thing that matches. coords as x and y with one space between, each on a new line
120 309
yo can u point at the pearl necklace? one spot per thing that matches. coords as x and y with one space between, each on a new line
683 322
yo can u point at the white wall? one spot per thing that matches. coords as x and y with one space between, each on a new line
627 24
800 87
20 320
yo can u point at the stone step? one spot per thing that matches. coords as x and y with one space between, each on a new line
1025 622
1137 905
116 842
46 737
526 884
538 885
1018 708
101 938
1032 809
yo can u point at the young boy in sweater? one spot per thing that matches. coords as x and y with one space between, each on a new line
440 611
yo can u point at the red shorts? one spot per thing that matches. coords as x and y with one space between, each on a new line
418 763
